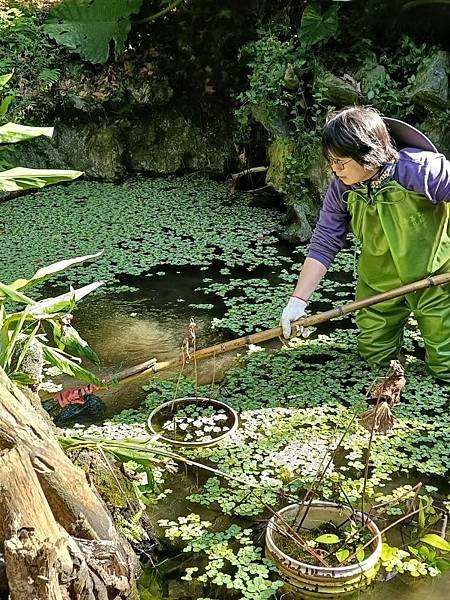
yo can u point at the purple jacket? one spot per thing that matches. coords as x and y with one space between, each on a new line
426 173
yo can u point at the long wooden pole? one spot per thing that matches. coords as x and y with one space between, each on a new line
153 366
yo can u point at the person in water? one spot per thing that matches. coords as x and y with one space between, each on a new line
396 202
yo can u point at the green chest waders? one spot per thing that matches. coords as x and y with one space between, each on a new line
404 237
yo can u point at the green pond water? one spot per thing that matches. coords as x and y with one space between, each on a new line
128 330
180 248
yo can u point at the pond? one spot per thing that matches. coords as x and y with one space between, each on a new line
180 248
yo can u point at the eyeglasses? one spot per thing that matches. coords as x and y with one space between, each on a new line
340 164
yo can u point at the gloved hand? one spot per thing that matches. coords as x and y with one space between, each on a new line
295 309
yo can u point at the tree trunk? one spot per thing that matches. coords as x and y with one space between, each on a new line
57 538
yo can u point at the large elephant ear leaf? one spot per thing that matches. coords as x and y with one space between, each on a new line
87 27
317 26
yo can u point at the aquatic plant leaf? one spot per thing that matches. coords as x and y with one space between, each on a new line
87 27
10 133
21 178
46 272
64 364
436 541
327 538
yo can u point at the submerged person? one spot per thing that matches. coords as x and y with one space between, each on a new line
397 205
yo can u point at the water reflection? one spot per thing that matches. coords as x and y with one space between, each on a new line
125 332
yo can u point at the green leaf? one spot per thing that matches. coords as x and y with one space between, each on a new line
436 541
316 27
6 291
10 133
46 272
327 538
359 554
5 105
443 564
4 79
21 178
387 552
87 27
9 348
21 378
64 364
26 346
65 301
342 555
71 342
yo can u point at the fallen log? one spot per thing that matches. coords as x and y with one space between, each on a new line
57 539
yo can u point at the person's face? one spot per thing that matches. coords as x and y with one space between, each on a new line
348 170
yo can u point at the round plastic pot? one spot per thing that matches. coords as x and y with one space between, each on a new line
311 581
168 409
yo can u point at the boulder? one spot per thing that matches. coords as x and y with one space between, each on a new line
94 149
340 91
430 89
372 76
171 142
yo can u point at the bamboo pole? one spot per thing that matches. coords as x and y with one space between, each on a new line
153 366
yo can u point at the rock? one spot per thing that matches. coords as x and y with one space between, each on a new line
430 90
371 76
276 122
340 91
184 590
162 144
94 149
299 228
279 152
169 142
438 130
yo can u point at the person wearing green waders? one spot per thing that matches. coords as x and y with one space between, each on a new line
391 188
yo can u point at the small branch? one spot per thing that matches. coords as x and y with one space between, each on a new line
161 13
236 176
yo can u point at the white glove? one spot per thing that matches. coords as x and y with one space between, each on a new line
295 309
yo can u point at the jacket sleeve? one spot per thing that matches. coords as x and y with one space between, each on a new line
437 184
427 173
331 230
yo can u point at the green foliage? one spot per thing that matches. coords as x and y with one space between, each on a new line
87 27
316 26
21 329
233 561
26 51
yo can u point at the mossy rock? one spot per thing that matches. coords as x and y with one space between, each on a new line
438 130
169 143
340 91
94 149
430 90
279 151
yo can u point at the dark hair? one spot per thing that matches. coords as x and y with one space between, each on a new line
358 132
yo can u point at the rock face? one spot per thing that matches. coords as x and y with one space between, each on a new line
431 86
159 143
